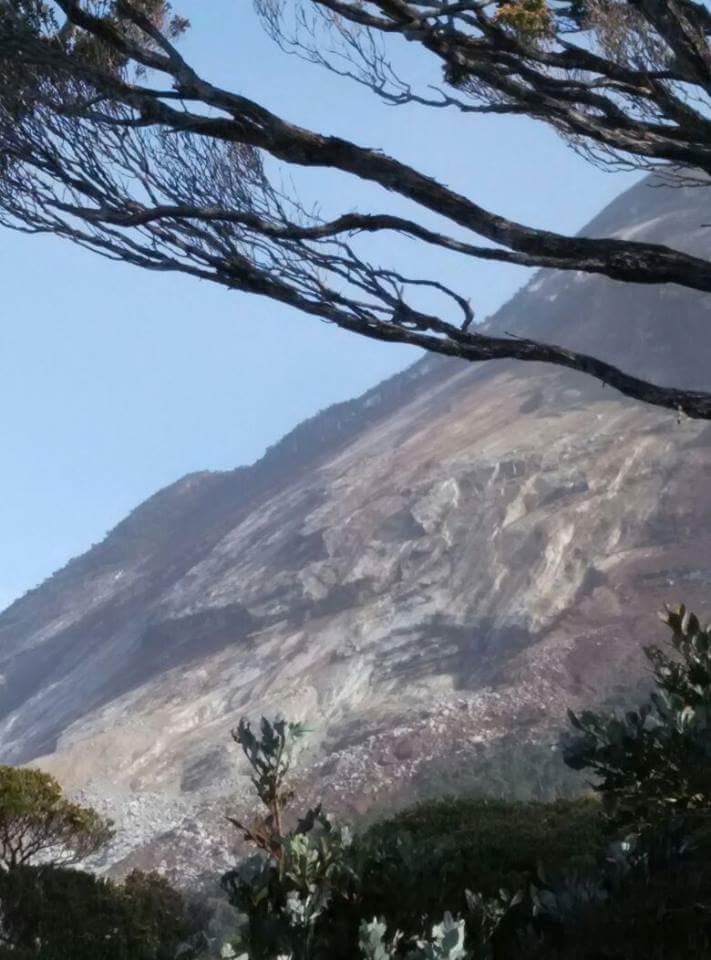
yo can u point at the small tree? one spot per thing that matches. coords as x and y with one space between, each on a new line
270 757
654 764
37 823
286 886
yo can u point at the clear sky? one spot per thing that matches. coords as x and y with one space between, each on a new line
115 382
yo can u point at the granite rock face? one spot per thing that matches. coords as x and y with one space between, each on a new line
454 558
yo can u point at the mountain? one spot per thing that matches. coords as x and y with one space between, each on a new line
428 576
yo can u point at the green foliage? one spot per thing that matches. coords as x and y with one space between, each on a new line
653 764
372 940
528 19
159 916
313 891
446 942
524 880
38 822
422 860
472 855
284 889
51 913
284 897
653 770
270 756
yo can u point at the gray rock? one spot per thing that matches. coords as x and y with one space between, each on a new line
455 557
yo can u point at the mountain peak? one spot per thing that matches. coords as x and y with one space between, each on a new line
461 553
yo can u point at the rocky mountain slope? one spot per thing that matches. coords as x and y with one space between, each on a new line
438 567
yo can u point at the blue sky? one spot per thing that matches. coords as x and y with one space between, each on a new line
115 382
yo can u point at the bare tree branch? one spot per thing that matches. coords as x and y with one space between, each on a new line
109 138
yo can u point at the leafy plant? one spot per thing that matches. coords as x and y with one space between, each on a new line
446 942
285 887
423 859
270 756
624 879
38 823
51 913
653 764
528 19
312 890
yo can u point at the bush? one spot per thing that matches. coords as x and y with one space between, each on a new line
627 878
421 861
625 875
38 823
653 764
51 913
312 892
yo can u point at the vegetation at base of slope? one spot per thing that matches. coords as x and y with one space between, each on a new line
512 767
425 858
622 874
625 878
56 913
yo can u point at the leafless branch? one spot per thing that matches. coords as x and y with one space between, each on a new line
172 175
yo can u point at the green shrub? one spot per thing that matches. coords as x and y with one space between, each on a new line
445 942
38 823
524 880
653 764
285 888
308 891
422 860
621 875
51 913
